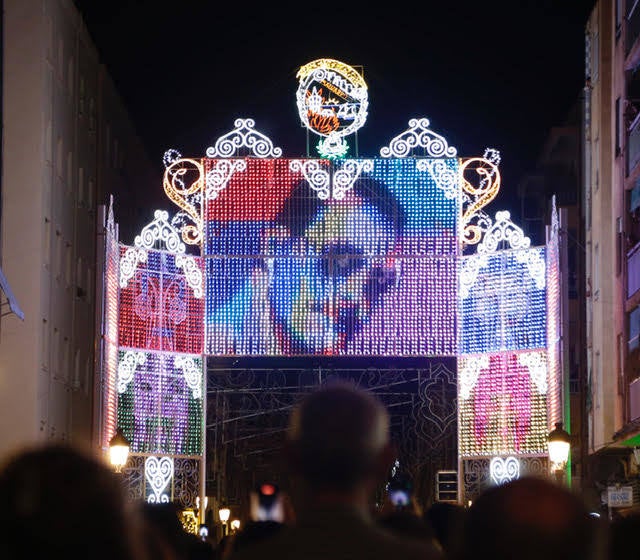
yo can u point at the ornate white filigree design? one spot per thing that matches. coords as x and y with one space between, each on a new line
344 177
537 365
160 230
446 179
535 264
129 262
192 272
192 374
474 221
244 136
504 470
418 135
468 376
127 367
219 174
503 231
316 174
183 183
159 472
469 268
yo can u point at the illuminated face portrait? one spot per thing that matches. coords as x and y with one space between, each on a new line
367 269
340 261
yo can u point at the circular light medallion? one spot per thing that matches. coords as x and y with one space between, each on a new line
332 101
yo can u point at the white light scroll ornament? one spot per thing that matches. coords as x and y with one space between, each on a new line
504 470
537 365
503 231
129 262
416 136
192 374
127 367
160 230
346 176
333 100
316 174
159 472
219 174
192 272
243 138
445 178
469 373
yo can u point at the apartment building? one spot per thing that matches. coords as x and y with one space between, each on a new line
612 240
68 144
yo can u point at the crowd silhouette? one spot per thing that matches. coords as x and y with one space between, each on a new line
61 501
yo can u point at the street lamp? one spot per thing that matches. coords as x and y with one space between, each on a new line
235 525
558 444
224 513
118 450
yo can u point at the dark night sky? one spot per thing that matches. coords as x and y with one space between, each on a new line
497 73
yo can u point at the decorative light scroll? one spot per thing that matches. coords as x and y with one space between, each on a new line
192 272
244 136
183 183
344 177
129 262
218 175
445 177
192 374
504 470
129 361
316 173
503 231
160 230
158 471
416 136
474 221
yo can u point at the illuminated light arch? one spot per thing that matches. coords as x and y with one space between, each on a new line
243 136
219 174
129 262
346 176
316 173
418 135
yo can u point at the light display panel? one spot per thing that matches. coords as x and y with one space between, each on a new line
161 307
503 301
160 406
298 264
502 404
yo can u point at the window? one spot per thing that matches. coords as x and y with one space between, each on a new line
595 57
596 271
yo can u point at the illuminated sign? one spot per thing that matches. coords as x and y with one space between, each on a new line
332 101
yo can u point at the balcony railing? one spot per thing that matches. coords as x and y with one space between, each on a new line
633 270
633 24
633 145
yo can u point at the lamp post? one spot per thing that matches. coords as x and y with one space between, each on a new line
235 525
559 445
224 514
118 450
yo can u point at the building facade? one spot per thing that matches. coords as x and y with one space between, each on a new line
68 144
611 198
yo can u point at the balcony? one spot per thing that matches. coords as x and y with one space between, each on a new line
633 25
633 270
633 145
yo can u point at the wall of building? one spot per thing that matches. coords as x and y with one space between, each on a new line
68 144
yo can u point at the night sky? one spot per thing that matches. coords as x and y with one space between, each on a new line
498 73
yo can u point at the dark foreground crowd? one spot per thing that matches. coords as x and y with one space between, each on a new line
61 502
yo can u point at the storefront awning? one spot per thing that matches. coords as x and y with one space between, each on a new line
9 302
